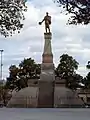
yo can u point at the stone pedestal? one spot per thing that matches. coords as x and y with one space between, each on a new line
46 94
47 77
47 56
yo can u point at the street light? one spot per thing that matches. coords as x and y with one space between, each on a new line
1 64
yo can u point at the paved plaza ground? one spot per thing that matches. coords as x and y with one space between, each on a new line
44 114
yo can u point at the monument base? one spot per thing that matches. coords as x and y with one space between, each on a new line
46 94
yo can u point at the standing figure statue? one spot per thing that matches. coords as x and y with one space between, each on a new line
47 20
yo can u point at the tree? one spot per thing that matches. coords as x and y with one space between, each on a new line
18 76
79 9
88 65
3 94
12 79
29 68
11 15
87 78
66 68
87 81
75 81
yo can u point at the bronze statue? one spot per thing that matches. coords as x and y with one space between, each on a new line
47 20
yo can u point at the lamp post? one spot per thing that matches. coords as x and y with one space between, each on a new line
1 64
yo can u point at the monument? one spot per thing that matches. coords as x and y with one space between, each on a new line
49 92
47 77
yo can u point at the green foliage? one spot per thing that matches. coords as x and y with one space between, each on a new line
18 76
78 9
66 69
12 79
75 81
67 65
3 94
11 15
87 81
88 65
28 67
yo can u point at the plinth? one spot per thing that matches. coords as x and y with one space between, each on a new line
47 77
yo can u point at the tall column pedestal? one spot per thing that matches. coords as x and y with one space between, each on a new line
47 77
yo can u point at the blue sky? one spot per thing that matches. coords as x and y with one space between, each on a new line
73 40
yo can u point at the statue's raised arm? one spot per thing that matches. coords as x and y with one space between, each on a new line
47 20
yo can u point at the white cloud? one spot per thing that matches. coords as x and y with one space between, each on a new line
73 40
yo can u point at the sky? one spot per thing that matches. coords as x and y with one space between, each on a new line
70 39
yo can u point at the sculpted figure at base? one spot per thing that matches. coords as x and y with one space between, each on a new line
47 20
